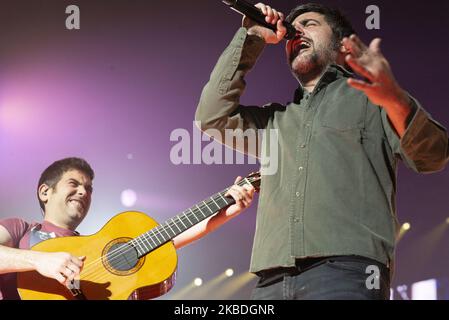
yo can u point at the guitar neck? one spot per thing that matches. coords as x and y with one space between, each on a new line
156 237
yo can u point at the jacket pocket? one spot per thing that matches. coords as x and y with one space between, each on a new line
348 114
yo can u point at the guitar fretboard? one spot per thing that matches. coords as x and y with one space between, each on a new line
156 237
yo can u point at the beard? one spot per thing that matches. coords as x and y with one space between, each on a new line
305 63
313 62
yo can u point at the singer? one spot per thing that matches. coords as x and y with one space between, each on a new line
328 215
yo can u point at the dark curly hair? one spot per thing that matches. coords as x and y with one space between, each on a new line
340 25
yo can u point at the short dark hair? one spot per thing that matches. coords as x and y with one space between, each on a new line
340 25
54 172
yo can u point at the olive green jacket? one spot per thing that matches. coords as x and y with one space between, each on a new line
336 155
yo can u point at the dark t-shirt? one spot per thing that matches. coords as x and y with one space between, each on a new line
19 231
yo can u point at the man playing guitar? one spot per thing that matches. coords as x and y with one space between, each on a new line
64 193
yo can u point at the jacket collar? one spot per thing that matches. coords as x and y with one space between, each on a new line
332 73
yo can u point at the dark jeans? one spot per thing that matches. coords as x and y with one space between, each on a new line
331 278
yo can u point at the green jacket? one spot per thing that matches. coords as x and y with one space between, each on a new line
333 192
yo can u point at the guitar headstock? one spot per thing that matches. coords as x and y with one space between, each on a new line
254 179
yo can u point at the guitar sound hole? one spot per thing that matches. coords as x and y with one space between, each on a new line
122 257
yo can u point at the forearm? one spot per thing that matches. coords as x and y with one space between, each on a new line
201 229
242 195
422 143
399 111
221 95
16 260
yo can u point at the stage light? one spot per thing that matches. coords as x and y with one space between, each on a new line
403 292
403 230
425 290
447 220
128 197
16 115
229 272
198 282
406 226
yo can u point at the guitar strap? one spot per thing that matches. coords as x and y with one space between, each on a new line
36 235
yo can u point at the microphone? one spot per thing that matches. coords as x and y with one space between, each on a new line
248 9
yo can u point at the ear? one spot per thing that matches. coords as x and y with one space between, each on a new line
44 192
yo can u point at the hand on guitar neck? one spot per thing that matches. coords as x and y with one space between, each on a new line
242 195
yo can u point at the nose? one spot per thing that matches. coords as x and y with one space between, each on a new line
299 29
82 190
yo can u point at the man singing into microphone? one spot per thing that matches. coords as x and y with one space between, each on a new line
327 218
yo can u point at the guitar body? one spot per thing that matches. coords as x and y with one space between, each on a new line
152 275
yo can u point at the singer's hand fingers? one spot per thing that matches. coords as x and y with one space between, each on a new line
269 17
359 68
358 42
360 84
352 47
275 17
281 30
375 45
281 15
262 7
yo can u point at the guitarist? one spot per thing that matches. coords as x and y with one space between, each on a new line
64 193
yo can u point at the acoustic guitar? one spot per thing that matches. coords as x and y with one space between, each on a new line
131 257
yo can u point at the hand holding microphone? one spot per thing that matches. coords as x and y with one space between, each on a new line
263 21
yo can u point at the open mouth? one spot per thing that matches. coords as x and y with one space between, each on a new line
81 203
301 46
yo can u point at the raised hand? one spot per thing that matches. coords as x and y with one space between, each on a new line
380 86
271 16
